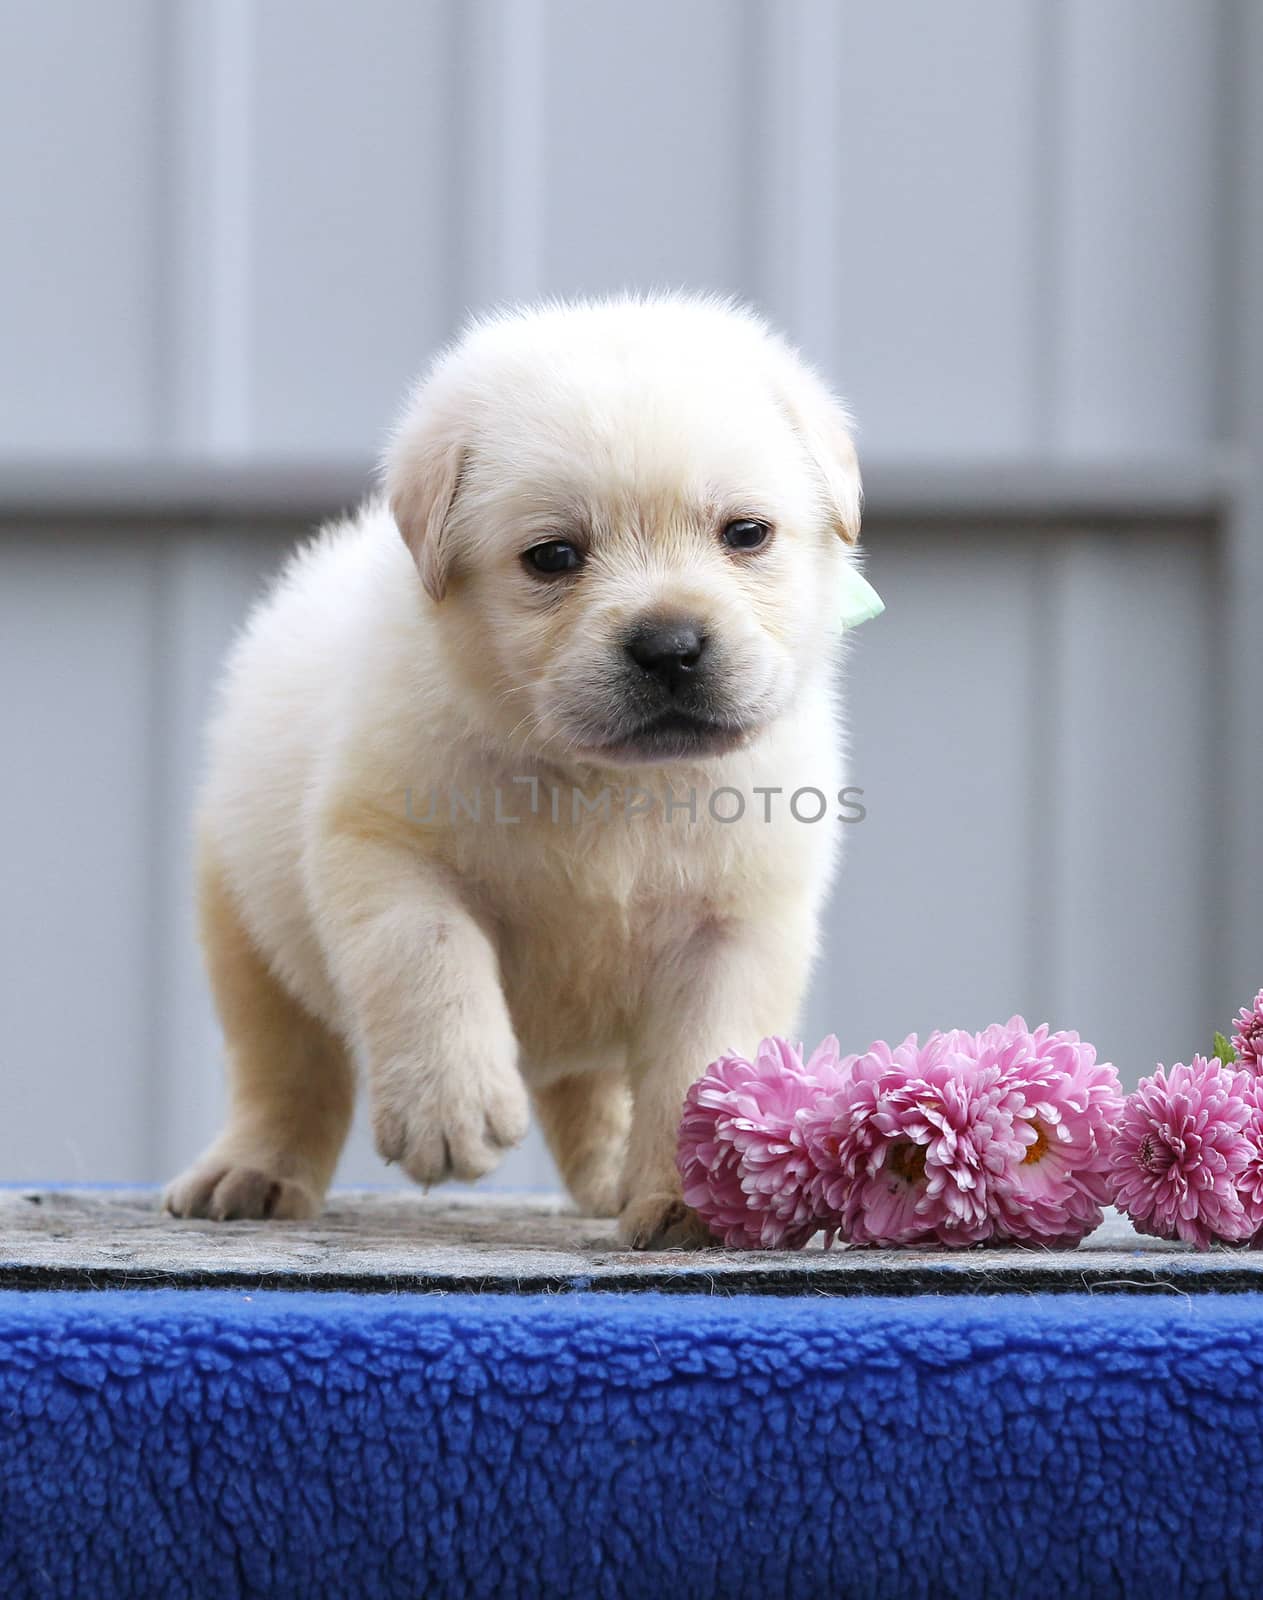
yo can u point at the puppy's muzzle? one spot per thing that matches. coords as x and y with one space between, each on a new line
671 693
669 652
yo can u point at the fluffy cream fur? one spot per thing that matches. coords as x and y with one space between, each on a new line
353 909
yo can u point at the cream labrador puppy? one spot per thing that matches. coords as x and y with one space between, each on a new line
512 793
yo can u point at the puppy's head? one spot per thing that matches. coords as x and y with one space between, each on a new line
630 517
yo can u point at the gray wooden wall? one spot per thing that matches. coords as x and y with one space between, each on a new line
1020 235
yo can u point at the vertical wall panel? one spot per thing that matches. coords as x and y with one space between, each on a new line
80 299
350 217
77 664
312 229
1137 226
934 271
802 218
647 120
497 150
929 923
1130 763
1240 597
209 156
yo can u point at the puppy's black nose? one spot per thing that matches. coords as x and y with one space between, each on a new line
667 651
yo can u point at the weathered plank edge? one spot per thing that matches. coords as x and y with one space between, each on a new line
879 1280
408 1243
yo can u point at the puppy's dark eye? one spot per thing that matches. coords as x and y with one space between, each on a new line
553 559
746 534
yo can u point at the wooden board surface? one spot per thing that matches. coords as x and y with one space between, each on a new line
387 1243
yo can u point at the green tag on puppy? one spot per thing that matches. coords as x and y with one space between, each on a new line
860 601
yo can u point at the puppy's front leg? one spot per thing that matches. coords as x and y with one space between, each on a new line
420 981
731 987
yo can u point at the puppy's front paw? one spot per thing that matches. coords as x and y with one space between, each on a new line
662 1221
450 1118
228 1191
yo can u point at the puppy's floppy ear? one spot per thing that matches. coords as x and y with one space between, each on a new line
822 422
423 473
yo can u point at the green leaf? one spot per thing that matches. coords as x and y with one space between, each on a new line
1223 1049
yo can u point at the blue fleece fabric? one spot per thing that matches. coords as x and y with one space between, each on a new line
213 1444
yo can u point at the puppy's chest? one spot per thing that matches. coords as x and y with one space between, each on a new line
583 915
621 888
576 970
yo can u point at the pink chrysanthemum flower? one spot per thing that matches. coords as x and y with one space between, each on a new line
1069 1103
1250 1182
1185 1146
742 1153
1247 1038
907 1151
